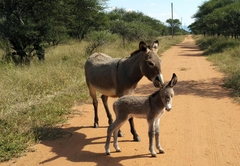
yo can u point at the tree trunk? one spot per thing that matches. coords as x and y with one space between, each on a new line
40 52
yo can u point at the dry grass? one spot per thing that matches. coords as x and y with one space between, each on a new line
224 53
228 63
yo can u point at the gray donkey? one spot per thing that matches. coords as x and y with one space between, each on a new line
148 107
116 77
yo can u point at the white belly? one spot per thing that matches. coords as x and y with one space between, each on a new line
107 92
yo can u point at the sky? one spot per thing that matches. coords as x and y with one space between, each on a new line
161 9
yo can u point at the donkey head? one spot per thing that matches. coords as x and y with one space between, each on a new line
151 63
167 93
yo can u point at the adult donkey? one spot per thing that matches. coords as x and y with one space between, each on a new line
116 77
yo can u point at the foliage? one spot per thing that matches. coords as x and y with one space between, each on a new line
173 23
212 45
30 27
27 25
85 16
218 17
126 24
97 39
24 24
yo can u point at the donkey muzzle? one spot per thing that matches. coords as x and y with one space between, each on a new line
168 107
158 82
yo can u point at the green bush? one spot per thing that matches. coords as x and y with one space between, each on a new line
97 39
212 45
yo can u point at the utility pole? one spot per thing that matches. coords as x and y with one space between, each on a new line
172 17
181 27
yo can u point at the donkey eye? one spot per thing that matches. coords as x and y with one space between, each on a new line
150 64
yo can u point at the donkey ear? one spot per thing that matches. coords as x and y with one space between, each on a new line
156 43
173 81
154 46
143 46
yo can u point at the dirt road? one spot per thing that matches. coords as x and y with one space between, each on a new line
203 128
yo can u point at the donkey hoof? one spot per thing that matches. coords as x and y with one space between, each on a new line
95 125
120 134
107 153
154 155
136 139
161 151
118 150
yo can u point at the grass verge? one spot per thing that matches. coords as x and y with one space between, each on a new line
224 53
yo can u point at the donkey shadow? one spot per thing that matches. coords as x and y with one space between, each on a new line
211 88
71 146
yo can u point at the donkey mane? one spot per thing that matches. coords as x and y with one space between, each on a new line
154 94
135 52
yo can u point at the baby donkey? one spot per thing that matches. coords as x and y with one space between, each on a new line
148 107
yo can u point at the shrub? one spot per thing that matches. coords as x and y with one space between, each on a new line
212 45
98 39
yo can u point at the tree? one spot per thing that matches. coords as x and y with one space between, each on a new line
86 16
174 23
131 25
98 39
27 25
219 17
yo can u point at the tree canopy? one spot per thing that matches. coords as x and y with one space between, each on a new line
28 27
218 17
173 24
131 25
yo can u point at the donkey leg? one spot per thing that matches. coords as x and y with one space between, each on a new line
109 134
105 104
93 95
157 136
117 124
95 105
151 133
113 129
115 140
109 115
133 131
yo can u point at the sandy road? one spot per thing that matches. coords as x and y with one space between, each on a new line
203 128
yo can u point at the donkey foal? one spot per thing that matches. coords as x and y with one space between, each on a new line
148 107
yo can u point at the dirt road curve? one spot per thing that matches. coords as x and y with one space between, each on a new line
203 128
